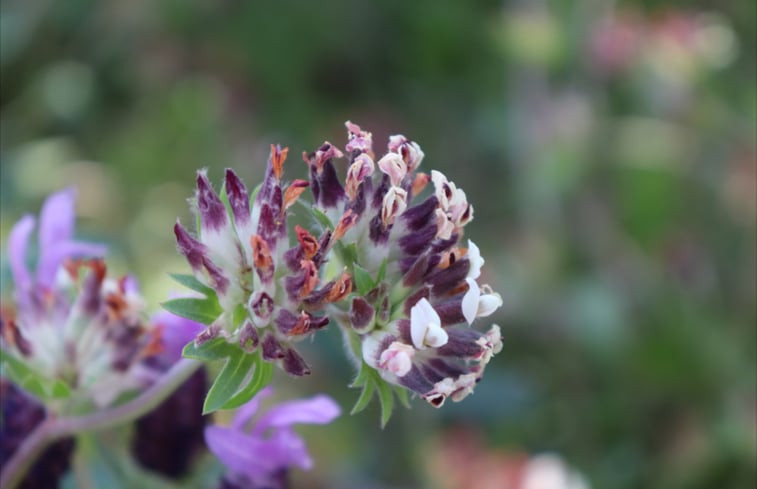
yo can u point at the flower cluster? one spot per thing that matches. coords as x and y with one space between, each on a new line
80 331
385 263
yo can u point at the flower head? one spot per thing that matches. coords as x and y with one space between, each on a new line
254 452
72 323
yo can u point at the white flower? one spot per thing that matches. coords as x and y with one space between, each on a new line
393 165
475 304
426 327
476 261
398 358
394 204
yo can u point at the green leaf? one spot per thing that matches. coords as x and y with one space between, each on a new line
215 349
363 280
261 377
386 397
381 272
365 397
228 381
203 311
32 381
190 282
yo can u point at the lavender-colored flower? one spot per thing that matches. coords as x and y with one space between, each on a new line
71 322
256 453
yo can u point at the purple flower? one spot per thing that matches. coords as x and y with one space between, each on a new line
72 323
56 242
255 452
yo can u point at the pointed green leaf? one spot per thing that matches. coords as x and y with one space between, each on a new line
365 397
363 280
215 349
261 377
361 378
228 381
381 273
203 311
387 401
190 282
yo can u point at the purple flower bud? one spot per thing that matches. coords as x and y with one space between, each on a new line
238 199
212 210
447 279
294 364
248 338
272 349
362 315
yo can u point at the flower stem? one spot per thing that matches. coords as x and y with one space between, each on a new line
53 428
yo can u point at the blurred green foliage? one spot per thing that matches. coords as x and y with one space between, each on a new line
608 148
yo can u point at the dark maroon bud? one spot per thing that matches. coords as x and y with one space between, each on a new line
449 278
450 311
238 198
294 284
293 256
318 297
376 230
212 210
377 293
318 322
217 278
267 225
420 215
209 333
294 364
417 271
381 190
191 248
422 293
462 343
415 242
248 337
362 315
272 349
286 321
332 191
315 185
262 305
358 205
12 335
167 439
415 381
442 245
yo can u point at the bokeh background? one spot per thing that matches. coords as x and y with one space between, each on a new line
609 149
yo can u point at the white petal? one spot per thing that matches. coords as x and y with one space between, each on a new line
488 303
370 347
436 336
474 257
470 301
421 316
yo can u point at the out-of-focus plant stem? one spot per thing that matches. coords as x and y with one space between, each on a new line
52 428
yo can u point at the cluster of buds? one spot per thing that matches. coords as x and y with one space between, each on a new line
73 326
243 252
413 321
